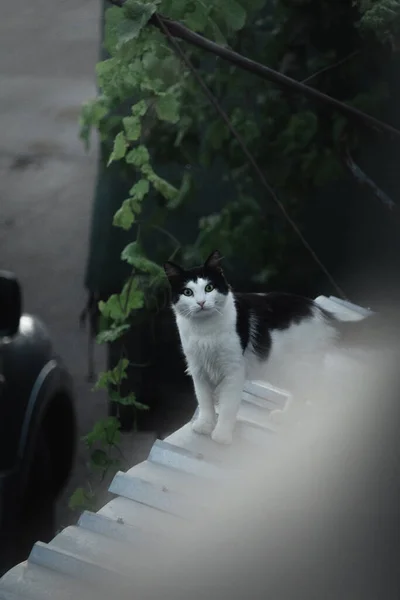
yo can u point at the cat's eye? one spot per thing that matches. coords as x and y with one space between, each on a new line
209 287
187 292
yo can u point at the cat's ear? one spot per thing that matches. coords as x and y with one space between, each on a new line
172 270
214 261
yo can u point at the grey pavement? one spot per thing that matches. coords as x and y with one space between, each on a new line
49 51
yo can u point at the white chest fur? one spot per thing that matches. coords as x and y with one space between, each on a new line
211 345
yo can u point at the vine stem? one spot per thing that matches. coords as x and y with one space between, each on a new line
249 156
337 64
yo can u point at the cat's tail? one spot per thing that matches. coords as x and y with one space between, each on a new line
378 331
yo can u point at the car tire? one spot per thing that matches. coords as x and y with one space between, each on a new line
38 510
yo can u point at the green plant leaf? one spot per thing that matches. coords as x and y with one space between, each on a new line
233 13
138 157
124 217
177 199
128 400
198 18
112 308
113 376
139 109
132 127
119 306
140 189
133 255
112 334
160 185
106 431
217 34
92 115
138 15
141 406
167 108
81 499
132 297
119 149
168 191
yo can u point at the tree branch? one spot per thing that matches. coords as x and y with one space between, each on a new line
178 30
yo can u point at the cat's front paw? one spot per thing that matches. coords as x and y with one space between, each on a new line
222 436
203 426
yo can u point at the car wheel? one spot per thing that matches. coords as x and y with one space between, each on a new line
38 510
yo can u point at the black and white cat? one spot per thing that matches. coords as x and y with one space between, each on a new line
230 337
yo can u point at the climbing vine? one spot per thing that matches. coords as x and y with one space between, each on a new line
152 112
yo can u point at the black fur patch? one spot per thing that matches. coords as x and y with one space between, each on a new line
259 314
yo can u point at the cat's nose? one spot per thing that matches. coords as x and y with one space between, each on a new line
201 303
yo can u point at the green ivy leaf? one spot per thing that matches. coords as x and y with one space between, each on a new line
129 400
164 188
217 34
177 199
184 125
124 217
133 255
140 405
138 157
119 149
167 108
138 15
92 114
139 109
160 185
106 431
112 308
81 499
233 13
133 128
198 18
113 16
112 377
140 189
112 334
132 298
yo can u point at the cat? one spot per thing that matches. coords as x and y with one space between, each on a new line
230 337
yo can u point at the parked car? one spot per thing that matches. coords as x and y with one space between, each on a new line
37 427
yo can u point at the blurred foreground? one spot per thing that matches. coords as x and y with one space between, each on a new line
316 517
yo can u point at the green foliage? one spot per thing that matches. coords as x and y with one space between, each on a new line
112 334
167 108
170 121
120 147
381 17
133 255
93 114
82 499
108 379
